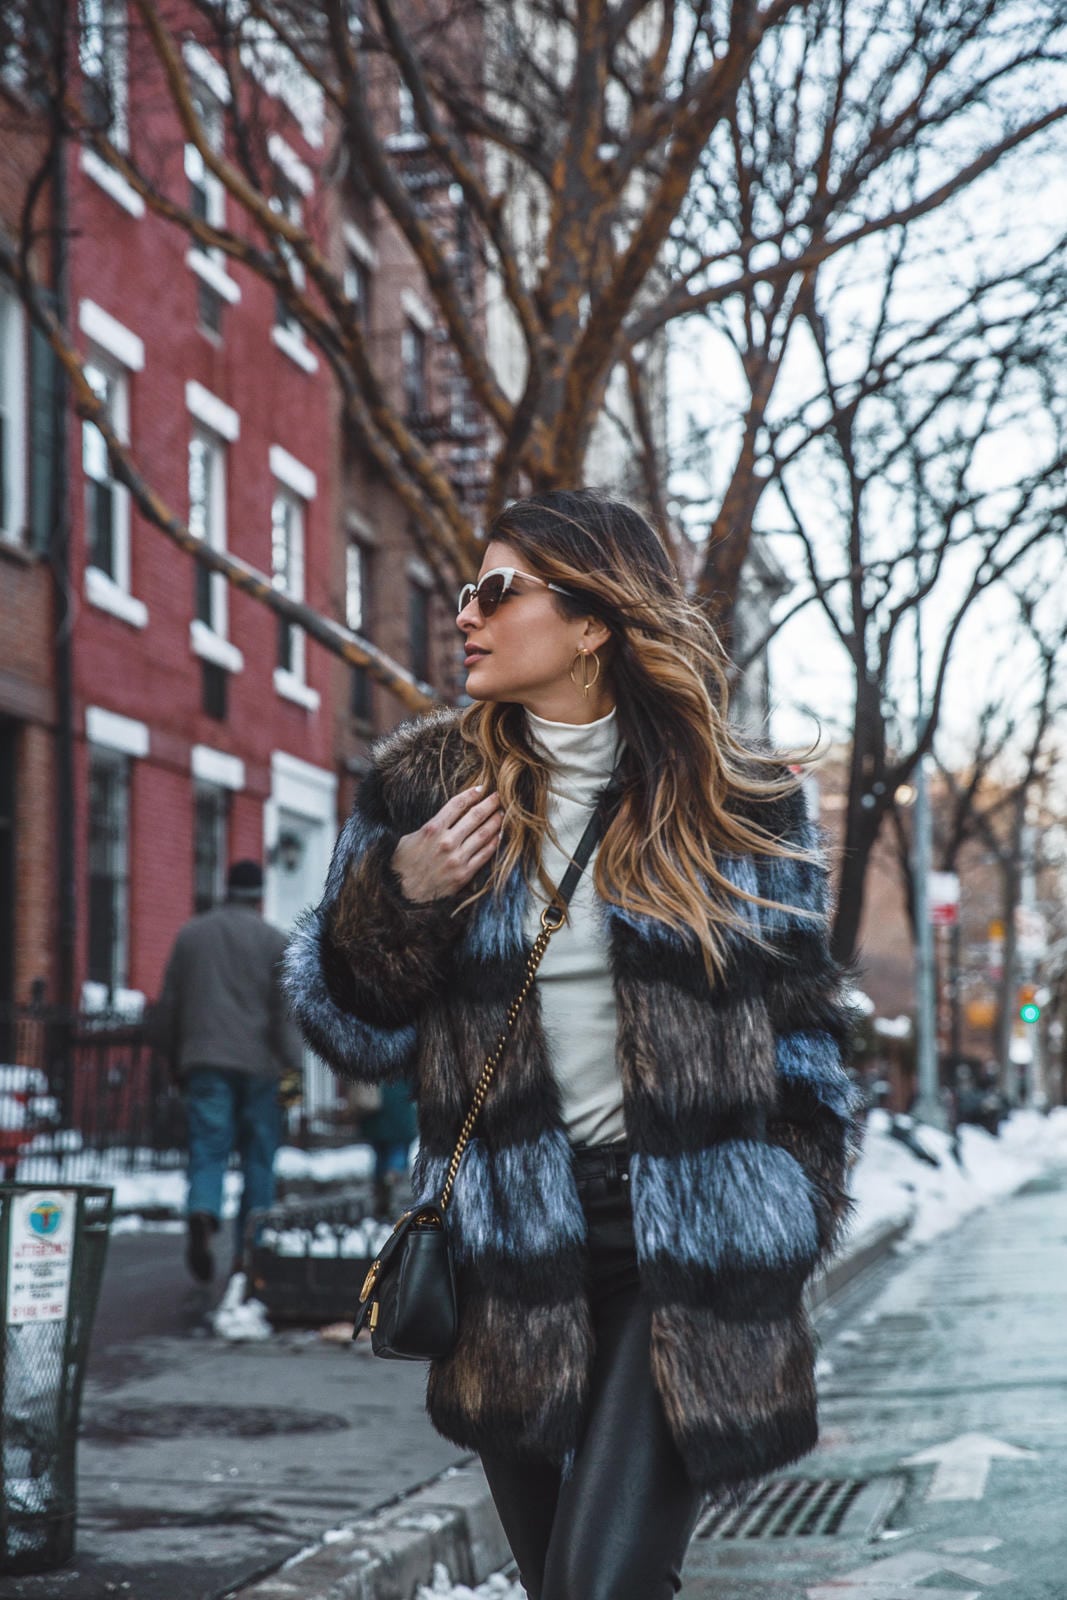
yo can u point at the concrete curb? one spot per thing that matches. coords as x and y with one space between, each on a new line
387 1555
841 1271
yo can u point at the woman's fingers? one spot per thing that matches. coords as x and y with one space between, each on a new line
445 852
474 817
487 834
456 808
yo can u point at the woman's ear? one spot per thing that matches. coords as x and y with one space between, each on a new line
595 634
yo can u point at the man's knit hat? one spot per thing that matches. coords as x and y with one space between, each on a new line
244 881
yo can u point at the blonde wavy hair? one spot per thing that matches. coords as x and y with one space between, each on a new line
684 769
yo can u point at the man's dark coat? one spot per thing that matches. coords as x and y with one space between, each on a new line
738 1111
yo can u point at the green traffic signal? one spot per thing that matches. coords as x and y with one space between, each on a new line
1030 1011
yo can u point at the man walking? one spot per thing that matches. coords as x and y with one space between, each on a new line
223 1022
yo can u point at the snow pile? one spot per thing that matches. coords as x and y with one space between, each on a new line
891 1183
325 1166
360 1241
238 1319
495 1588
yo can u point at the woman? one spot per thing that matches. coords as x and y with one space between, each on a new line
661 1158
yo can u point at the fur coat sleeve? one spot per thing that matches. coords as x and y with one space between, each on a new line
364 964
813 1020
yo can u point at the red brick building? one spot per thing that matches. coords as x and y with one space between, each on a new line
29 919
203 729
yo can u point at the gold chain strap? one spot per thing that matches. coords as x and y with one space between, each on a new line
548 928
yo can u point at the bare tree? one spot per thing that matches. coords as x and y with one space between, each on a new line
997 779
926 464
616 169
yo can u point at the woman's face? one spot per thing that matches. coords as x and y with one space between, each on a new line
525 650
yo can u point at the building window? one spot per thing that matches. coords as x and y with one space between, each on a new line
106 505
102 46
407 123
214 690
357 288
209 308
287 575
419 630
109 867
207 197
211 817
413 369
357 616
207 521
12 418
286 201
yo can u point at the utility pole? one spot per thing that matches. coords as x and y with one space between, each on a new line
929 1107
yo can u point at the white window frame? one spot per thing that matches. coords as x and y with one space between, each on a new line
13 409
289 336
291 682
110 591
114 62
210 639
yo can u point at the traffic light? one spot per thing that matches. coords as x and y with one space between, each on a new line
1029 1010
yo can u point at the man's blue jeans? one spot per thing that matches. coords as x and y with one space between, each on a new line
230 1110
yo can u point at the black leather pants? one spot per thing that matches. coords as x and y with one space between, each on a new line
618 1527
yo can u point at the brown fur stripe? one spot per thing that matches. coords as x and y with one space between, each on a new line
476 1398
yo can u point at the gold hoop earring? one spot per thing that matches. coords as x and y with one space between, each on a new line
587 681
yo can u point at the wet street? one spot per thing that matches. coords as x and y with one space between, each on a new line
942 1471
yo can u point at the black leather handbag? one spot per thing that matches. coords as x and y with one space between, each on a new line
408 1299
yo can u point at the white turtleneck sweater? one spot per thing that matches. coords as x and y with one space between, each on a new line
574 978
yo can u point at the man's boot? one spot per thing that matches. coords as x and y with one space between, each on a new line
202 1227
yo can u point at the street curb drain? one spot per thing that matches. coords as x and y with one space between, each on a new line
808 1508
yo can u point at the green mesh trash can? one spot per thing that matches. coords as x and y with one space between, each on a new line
53 1241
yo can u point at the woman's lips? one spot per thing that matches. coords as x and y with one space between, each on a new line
472 655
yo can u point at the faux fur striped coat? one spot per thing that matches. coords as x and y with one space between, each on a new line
737 1108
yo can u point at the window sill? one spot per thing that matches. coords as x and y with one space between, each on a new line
211 646
406 141
216 277
104 592
16 547
292 345
112 183
290 687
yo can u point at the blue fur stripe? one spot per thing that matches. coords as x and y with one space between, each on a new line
736 1204
797 883
354 1048
519 1202
813 1058
495 931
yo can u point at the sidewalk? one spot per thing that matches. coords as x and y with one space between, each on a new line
205 1467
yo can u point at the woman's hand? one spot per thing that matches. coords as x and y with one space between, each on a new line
447 851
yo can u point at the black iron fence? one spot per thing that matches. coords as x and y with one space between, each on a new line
78 1090
85 1094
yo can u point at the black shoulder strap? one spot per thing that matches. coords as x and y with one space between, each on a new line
595 829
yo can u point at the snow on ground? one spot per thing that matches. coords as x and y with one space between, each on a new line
890 1183
138 1188
351 1161
442 1588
